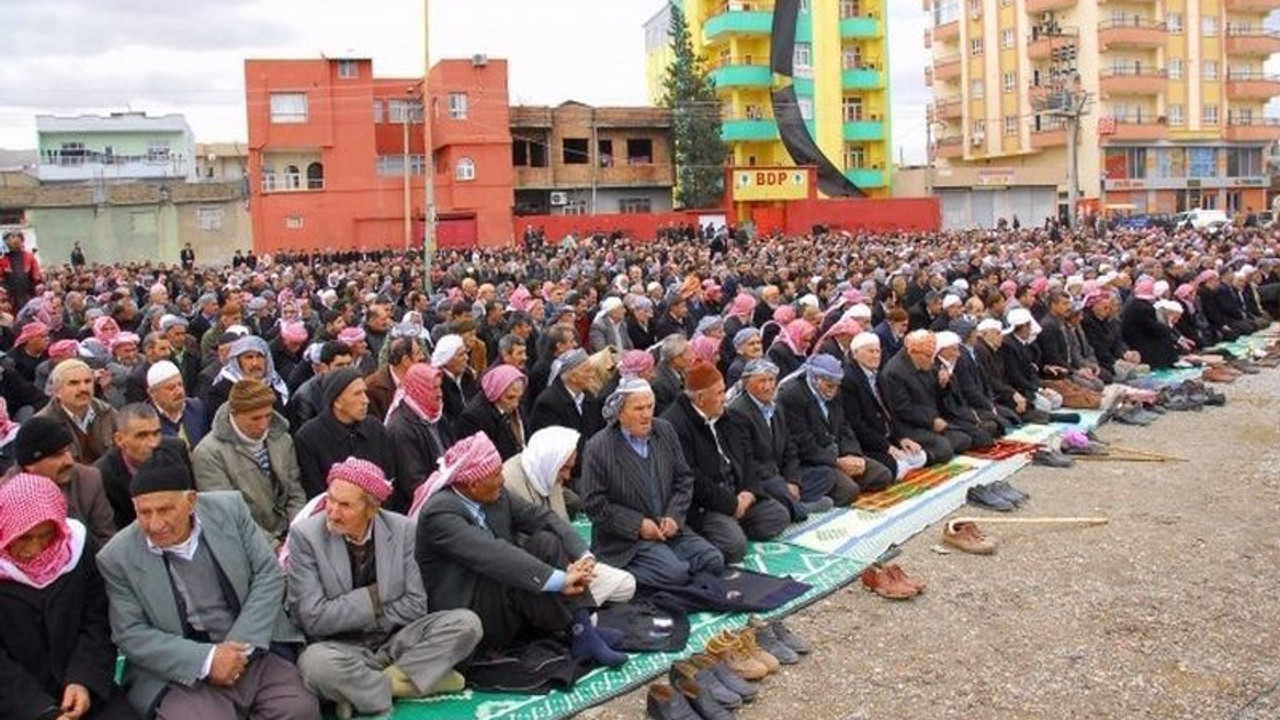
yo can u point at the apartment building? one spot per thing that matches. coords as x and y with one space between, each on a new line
815 95
121 146
575 159
336 155
1172 95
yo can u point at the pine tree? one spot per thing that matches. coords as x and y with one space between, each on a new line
700 154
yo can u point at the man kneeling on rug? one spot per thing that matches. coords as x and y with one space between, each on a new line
468 556
637 489
355 591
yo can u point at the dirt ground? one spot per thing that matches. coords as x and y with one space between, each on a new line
1170 611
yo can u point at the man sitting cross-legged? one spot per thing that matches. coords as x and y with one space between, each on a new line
355 591
468 555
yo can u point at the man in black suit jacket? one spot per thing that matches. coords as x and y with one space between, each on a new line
469 558
823 437
567 402
761 441
957 409
910 388
637 489
867 413
729 507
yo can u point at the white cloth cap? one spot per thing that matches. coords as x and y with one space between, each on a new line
990 324
446 350
947 339
161 371
865 339
1169 306
1019 316
859 312
950 300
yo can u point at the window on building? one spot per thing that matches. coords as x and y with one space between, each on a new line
1240 116
1208 25
803 56
293 222
457 106
269 180
975 9
465 170
806 108
292 177
1010 82
853 57
577 206
639 151
576 151
315 176
1202 162
1210 115
604 151
1136 160
1210 69
209 219
378 115
853 109
400 111
855 157
1010 124
1175 115
1174 67
975 46
157 151
288 108
1008 38
850 8
1244 162
634 206
977 89
348 69
1173 21
418 165
979 129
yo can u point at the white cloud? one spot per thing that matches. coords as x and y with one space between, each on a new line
95 56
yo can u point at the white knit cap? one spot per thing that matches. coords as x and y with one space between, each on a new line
866 339
161 371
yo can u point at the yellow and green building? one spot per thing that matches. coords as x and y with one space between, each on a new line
823 103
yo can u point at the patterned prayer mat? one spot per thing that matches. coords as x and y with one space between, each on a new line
826 573
917 482
1003 450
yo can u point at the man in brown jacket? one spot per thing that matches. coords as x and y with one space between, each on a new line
90 421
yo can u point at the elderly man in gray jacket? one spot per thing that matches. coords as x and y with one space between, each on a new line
354 589
197 605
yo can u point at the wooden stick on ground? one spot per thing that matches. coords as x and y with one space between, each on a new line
1147 453
1121 458
1028 521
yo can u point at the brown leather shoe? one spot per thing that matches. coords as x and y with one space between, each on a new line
966 537
885 585
1218 374
897 573
747 639
730 652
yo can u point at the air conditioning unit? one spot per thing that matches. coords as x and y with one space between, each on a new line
479 60
978 139
559 198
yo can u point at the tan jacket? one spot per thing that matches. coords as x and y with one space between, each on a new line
86 448
514 479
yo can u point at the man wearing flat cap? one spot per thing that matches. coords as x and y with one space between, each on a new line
355 590
90 421
250 451
197 606
343 429
43 447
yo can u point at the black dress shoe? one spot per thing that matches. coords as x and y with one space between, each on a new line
1052 458
702 701
983 496
1009 492
666 703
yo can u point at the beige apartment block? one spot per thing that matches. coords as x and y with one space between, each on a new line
1175 94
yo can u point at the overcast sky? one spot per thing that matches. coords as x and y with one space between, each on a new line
66 57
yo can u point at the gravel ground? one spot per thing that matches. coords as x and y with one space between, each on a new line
1170 611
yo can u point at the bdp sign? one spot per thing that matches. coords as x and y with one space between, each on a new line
770 184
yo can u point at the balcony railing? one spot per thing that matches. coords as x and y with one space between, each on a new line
1247 41
290 182
1133 31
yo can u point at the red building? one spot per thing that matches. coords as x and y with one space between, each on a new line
329 145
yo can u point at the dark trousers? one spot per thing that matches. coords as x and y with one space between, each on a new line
877 476
508 613
823 480
940 447
764 520
671 563
116 707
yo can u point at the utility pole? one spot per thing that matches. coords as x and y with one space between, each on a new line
1069 105
429 212
404 157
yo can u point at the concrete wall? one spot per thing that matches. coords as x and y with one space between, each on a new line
140 233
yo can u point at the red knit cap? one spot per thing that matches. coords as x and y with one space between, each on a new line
702 376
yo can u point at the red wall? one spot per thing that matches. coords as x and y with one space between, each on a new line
798 217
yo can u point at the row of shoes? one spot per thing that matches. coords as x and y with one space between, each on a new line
999 495
713 684
1190 395
891 582
1049 457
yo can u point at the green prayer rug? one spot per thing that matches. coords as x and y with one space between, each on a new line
825 573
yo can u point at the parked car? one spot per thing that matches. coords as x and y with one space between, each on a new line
1201 219
1146 221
